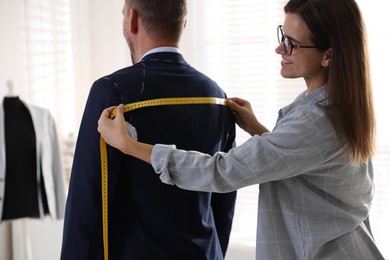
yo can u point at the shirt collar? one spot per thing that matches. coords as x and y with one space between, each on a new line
161 49
318 97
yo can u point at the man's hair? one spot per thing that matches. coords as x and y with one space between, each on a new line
161 18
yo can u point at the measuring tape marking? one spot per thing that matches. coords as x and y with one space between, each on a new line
171 101
104 169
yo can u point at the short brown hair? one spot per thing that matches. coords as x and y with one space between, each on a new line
161 18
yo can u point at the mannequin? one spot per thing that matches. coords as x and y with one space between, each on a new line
32 182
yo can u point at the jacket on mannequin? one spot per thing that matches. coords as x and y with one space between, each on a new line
49 178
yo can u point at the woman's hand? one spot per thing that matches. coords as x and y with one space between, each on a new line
244 116
114 133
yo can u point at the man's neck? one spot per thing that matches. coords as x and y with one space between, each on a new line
146 44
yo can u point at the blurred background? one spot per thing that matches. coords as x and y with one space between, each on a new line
51 51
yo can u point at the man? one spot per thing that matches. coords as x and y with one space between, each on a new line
147 219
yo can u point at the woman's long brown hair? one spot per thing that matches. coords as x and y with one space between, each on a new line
339 25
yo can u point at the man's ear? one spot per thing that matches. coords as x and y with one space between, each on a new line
327 58
133 21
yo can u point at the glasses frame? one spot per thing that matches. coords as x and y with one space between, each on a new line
287 44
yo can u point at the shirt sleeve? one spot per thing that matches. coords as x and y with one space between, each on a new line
296 146
160 158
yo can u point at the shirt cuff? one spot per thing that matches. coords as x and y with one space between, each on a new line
160 160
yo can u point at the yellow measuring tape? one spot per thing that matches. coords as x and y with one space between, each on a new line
103 146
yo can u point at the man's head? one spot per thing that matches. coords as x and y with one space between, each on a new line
162 20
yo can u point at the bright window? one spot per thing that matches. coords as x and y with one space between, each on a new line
49 67
49 60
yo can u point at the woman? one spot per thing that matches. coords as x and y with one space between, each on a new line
314 168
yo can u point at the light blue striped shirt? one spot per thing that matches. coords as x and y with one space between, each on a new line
312 201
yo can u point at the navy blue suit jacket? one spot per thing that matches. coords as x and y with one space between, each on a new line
149 219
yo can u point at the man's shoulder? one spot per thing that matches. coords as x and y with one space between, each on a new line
122 73
118 78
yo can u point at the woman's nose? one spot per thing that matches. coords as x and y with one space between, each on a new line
279 49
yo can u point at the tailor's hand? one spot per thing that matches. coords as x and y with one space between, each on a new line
113 131
244 116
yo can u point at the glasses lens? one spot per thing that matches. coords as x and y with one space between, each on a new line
283 39
287 45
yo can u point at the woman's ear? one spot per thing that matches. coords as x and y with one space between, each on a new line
327 58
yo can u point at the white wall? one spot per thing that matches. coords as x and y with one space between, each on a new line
11 46
99 46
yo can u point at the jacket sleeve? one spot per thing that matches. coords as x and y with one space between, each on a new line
82 235
223 209
223 204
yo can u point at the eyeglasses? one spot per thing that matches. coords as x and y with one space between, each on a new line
287 44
